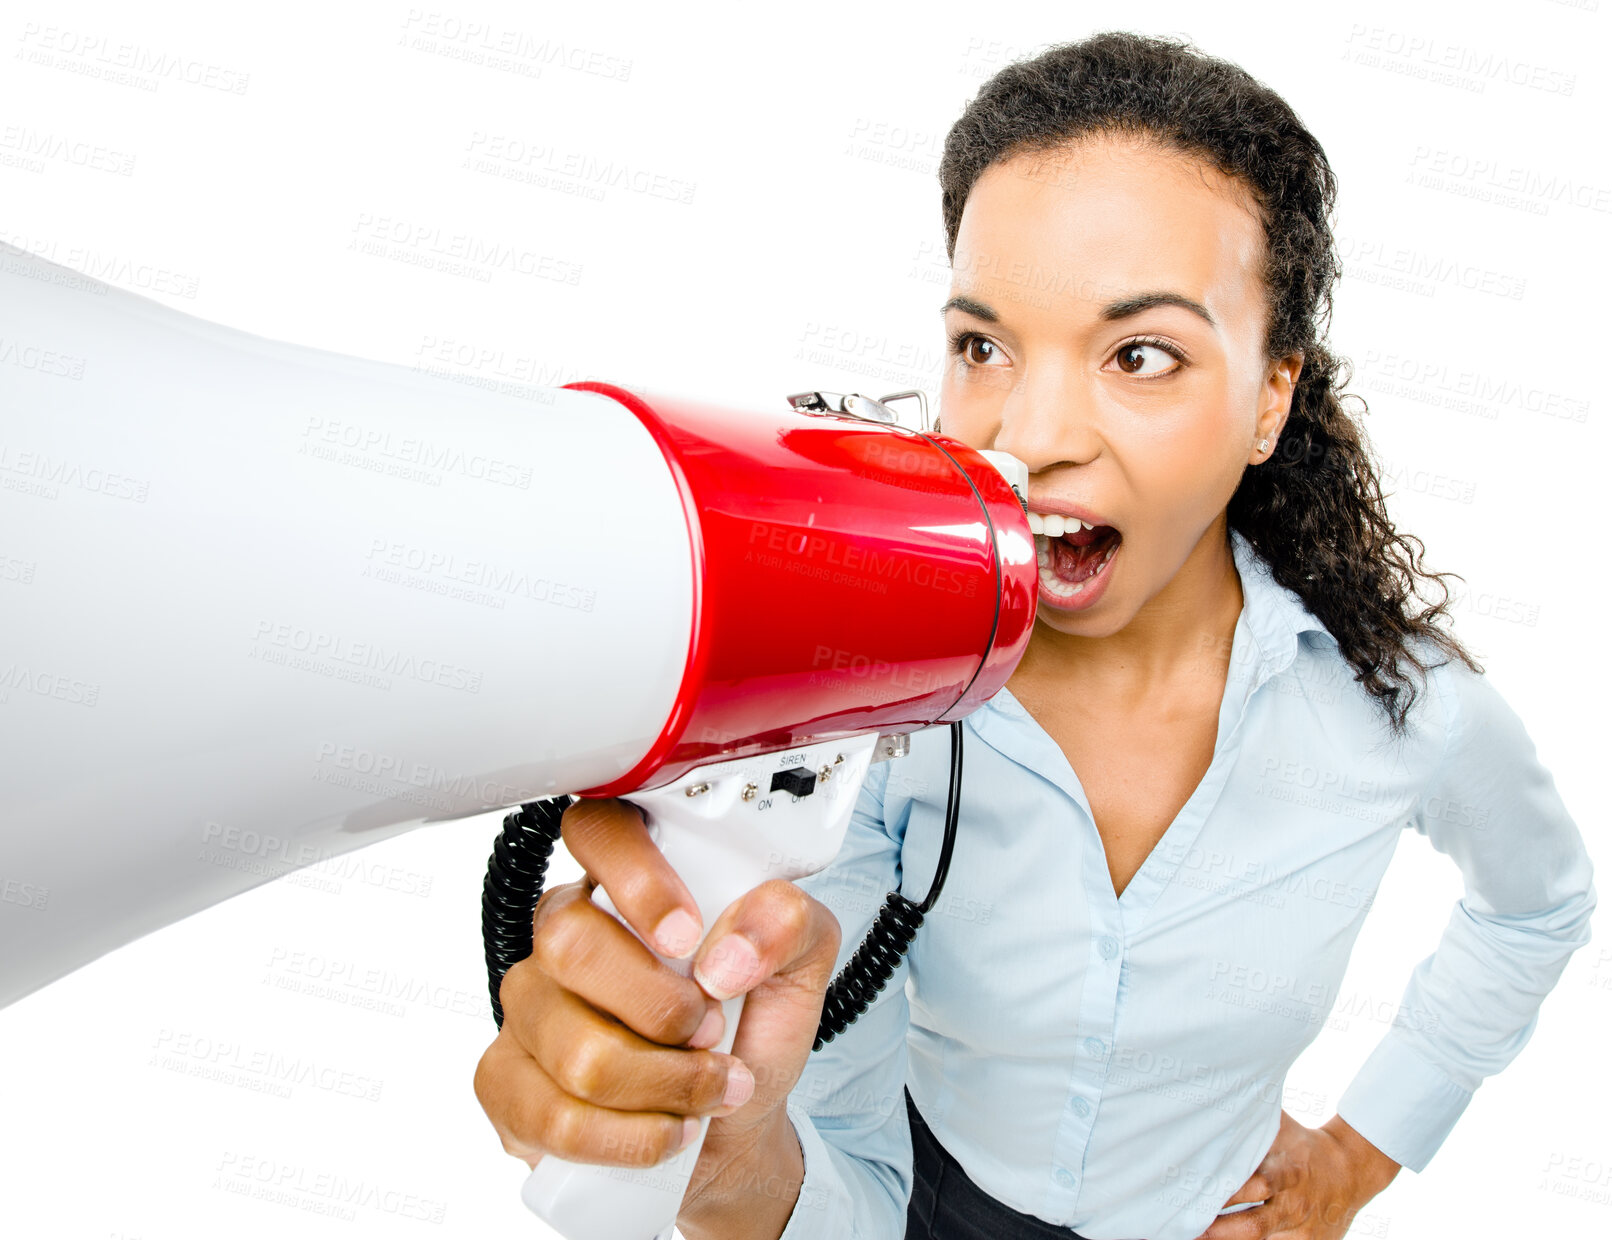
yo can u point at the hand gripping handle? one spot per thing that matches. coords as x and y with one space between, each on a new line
725 828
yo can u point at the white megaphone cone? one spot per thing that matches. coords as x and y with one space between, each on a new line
286 603
279 604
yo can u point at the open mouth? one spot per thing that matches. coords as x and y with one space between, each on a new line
1071 563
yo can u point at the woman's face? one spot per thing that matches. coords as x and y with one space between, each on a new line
1136 417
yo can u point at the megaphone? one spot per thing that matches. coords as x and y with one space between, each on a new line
281 604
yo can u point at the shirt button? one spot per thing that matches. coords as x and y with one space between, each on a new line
1063 1177
1108 947
1094 1047
1080 1107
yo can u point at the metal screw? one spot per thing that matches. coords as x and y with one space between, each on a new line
694 790
823 772
749 793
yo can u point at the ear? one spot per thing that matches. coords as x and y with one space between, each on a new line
1276 401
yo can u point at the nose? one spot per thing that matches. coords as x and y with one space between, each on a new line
1049 420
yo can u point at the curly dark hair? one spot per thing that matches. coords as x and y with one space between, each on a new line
1315 509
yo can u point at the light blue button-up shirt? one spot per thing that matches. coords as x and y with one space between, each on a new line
1116 1065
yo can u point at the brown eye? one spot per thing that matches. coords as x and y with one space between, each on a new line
971 347
1132 359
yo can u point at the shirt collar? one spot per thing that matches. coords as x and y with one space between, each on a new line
1272 615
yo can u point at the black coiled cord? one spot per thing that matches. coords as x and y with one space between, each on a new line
513 886
872 966
520 860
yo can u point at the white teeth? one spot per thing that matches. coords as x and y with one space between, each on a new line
1056 526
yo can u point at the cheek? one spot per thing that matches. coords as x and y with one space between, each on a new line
1185 464
967 410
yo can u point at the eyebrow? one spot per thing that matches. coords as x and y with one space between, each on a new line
1121 309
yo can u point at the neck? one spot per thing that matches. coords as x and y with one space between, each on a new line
1184 629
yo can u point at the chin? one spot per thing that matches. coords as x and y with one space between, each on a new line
1106 618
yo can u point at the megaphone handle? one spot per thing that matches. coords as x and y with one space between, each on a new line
724 829
587 1201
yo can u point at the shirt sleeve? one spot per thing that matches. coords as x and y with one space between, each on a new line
848 1108
1472 1005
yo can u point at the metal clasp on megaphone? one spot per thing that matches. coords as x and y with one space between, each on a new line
854 404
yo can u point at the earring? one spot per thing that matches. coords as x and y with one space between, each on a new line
1263 444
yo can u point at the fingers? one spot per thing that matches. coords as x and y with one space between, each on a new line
604 1050
608 838
592 1058
1253 1224
774 930
533 1117
1257 1187
589 952
1274 1175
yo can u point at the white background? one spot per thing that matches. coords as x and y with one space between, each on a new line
805 255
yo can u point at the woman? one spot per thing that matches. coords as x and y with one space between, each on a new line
1150 907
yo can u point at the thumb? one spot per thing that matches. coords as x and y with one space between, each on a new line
774 932
777 946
